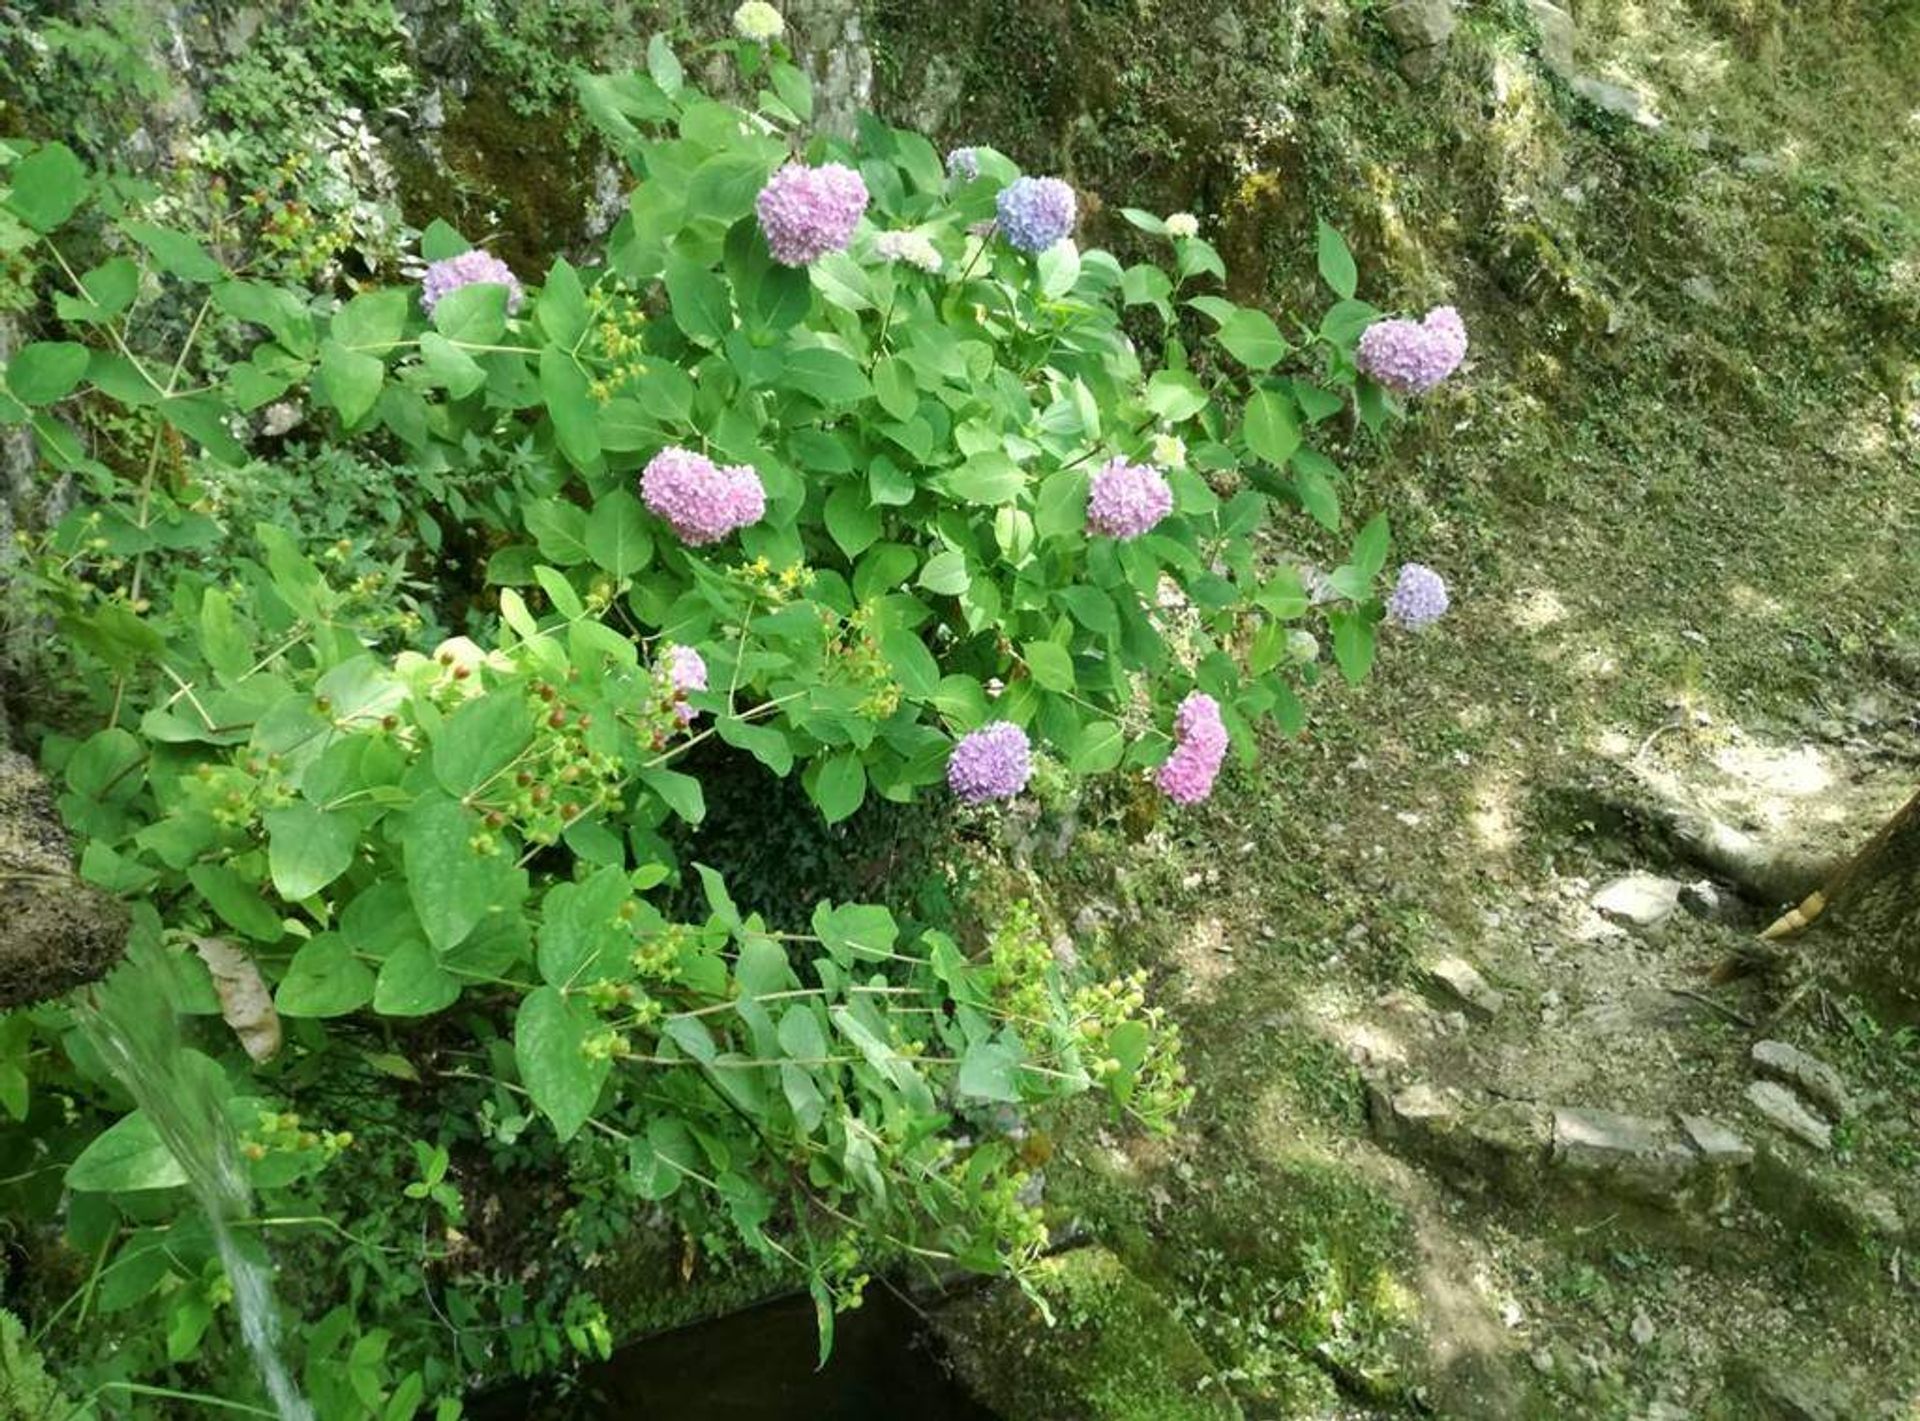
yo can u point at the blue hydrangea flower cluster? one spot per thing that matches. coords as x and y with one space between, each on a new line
809 212
993 762
1411 357
470 268
964 164
1036 212
699 500
1126 500
1418 599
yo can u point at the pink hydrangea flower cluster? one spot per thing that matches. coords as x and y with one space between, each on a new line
993 762
470 268
1419 597
684 670
1411 357
699 500
1126 500
1199 749
808 212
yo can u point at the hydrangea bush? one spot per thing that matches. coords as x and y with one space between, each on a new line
843 456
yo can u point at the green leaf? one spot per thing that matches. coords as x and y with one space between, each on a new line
826 375
450 367
946 573
1336 262
988 478
576 423
175 252
1318 496
772 298
658 1160
1051 665
549 1039
663 67
478 741
452 886
1098 748
46 371
990 1071
237 901
1175 395
766 744
863 931
307 848
725 185
1353 643
894 385
852 519
412 982
839 785
1369 553
47 186
560 528
125 1157
681 792
476 314
324 979
701 307
583 938
1253 339
109 287
350 380
562 312
1272 428
617 536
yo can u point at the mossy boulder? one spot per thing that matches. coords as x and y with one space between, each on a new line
1115 1351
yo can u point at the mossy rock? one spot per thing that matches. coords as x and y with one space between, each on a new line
1115 1351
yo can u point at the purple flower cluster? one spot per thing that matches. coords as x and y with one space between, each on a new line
701 501
808 212
470 268
964 164
686 670
1199 749
993 762
1036 212
1418 599
1411 357
1127 499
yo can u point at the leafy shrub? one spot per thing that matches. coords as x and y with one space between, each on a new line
833 514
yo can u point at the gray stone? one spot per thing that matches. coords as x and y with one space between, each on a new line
1556 35
1628 103
1809 1075
1638 900
1783 1110
1421 28
1630 1153
1717 1144
1460 980
1641 1330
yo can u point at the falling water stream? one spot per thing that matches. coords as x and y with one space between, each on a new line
137 1034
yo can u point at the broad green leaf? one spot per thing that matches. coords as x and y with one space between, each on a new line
1175 395
562 312
990 1071
563 385
474 315
237 901
699 299
681 792
47 186
411 982
451 883
474 745
1098 749
583 938
550 1034
617 536
855 931
1272 428
826 375
839 785
324 979
1253 339
1051 665
1336 262
307 848
351 380
46 371
125 1157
